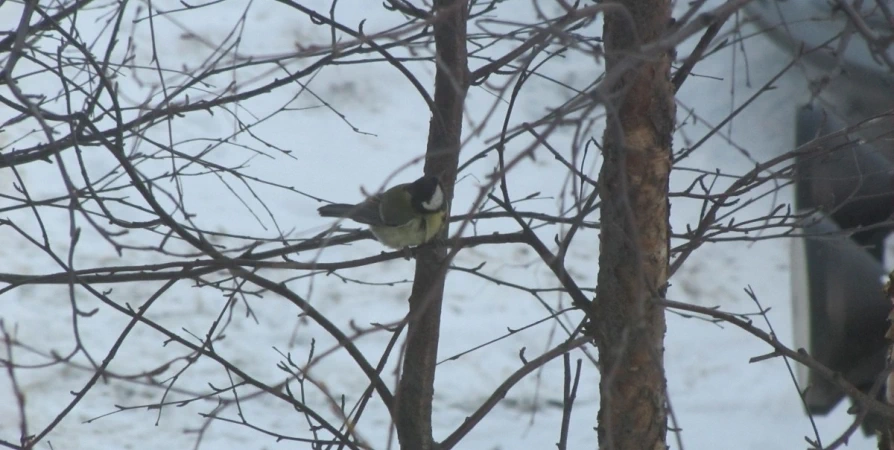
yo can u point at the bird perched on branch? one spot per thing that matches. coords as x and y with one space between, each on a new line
404 215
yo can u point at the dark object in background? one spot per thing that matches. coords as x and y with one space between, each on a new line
850 181
839 307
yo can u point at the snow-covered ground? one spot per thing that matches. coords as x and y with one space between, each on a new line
719 399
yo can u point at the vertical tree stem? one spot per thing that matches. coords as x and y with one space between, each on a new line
633 260
416 390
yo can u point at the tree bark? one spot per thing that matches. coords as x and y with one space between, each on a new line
416 389
886 433
634 237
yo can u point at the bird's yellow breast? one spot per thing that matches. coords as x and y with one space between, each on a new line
417 231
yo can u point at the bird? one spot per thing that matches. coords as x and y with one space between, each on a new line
404 215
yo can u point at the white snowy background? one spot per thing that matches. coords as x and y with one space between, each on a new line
719 400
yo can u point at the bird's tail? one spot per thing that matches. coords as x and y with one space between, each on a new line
340 210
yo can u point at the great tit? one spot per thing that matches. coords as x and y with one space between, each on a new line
402 216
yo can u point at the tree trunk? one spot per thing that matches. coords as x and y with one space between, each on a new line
886 434
634 237
416 390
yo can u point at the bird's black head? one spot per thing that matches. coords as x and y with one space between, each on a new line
426 194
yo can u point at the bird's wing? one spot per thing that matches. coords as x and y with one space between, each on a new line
368 212
398 210
373 211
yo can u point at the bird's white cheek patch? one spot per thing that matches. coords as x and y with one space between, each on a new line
436 202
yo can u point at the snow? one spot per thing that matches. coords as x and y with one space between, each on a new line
719 399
